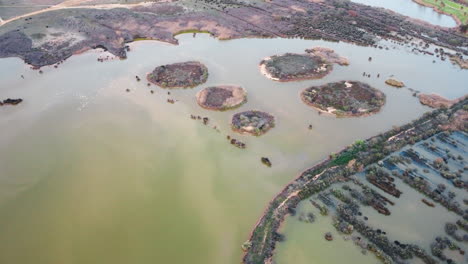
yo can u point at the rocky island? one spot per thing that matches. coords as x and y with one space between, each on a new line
222 97
345 98
252 122
295 67
179 75
314 64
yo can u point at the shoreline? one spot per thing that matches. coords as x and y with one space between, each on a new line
163 21
264 71
243 132
223 109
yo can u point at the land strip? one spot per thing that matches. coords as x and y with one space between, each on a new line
340 167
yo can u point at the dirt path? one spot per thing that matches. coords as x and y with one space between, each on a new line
22 6
69 5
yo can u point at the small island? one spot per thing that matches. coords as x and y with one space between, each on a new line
395 83
179 75
344 99
10 101
294 67
221 97
252 122
314 64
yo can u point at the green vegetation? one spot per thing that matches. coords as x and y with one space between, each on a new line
188 31
323 211
246 245
322 208
451 8
340 196
140 39
263 233
349 154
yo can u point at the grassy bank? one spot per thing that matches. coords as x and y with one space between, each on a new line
188 31
458 11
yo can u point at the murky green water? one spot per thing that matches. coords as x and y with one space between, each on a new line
305 242
411 221
412 9
92 174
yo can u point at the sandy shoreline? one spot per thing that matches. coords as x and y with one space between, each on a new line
265 72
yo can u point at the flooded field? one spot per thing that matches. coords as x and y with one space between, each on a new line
91 173
410 220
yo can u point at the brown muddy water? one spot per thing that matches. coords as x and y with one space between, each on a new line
90 173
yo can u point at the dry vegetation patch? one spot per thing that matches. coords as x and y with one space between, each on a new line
221 97
184 74
345 98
